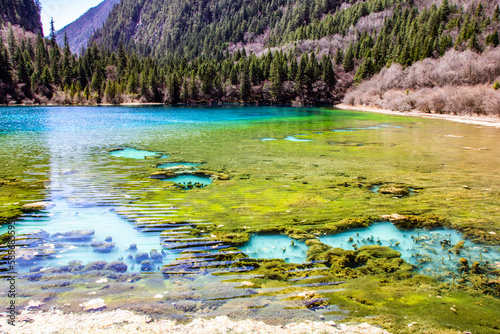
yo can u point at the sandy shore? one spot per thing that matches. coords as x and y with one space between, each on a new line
477 120
121 321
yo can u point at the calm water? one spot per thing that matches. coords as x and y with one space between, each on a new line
87 154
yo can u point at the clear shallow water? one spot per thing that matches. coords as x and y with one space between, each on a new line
132 153
275 247
292 138
63 218
185 180
77 140
420 247
430 250
70 147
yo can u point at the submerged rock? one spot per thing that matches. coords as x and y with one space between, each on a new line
155 256
133 247
76 235
140 257
146 266
108 239
102 246
38 206
117 266
35 269
33 239
96 265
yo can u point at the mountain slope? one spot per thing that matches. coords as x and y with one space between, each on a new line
80 30
195 26
23 13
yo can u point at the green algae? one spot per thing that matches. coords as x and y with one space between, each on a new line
282 187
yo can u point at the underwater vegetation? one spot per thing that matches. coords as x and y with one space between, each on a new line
305 202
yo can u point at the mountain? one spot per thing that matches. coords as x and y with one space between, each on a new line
80 30
191 27
23 13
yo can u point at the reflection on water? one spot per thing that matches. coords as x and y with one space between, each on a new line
95 219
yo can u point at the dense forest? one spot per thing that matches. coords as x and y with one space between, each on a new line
295 51
23 13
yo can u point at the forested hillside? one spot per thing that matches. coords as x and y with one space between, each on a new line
79 31
295 51
190 27
23 13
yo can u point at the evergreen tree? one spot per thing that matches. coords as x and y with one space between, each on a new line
328 75
174 88
132 83
193 87
52 34
294 67
245 87
276 78
348 61
339 57
5 67
492 39
473 44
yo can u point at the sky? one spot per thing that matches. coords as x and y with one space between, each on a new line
64 12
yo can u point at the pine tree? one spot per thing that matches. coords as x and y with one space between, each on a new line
46 78
245 87
473 44
496 14
328 75
339 57
52 34
66 63
348 62
275 76
132 83
174 88
492 39
294 67
193 87
5 67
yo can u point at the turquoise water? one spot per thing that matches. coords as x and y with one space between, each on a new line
431 251
132 153
275 247
109 196
185 180
76 147
64 217
292 138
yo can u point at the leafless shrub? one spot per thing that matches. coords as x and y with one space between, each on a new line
457 83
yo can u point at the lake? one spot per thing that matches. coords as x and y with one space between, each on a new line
166 209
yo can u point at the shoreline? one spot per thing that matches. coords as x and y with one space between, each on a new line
123 321
467 119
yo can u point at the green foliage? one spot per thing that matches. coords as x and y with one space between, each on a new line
492 39
496 85
25 13
190 62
